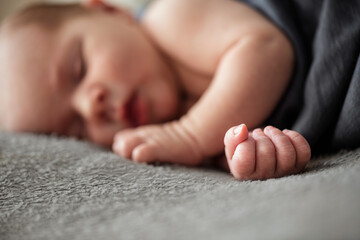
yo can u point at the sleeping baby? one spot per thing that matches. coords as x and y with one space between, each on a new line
189 80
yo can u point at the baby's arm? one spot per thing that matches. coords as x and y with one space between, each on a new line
251 74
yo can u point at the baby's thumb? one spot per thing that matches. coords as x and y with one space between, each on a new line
233 137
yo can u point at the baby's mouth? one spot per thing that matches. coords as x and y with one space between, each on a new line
135 111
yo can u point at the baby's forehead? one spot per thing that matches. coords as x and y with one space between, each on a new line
25 51
24 64
29 38
27 95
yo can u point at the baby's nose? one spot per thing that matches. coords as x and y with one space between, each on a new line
94 108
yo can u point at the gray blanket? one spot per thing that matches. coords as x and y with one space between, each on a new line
53 188
323 98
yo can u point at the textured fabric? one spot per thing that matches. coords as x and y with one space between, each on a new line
64 189
323 99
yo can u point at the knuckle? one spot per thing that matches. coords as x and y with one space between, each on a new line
257 132
297 137
284 147
286 160
288 151
278 136
266 148
260 136
274 134
300 145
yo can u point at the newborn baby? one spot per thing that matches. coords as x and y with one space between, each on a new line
182 84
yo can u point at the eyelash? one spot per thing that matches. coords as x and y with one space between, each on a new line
83 69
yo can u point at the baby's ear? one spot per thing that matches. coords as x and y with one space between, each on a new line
102 5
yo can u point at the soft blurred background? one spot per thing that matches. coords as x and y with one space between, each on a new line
9 6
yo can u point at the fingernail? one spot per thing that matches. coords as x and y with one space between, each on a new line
269 128
238 129
256 131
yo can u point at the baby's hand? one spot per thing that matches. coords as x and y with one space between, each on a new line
265 154
168 142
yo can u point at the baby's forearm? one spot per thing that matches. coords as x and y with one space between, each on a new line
249 82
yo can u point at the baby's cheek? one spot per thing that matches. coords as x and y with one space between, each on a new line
166 104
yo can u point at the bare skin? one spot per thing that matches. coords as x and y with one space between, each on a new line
213 83
264 154
232 67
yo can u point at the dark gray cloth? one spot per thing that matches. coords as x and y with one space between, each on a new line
323 99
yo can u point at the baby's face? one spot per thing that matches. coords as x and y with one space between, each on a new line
93 77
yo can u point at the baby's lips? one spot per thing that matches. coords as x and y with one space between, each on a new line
127 108
142 112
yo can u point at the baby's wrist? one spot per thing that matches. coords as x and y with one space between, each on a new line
187 137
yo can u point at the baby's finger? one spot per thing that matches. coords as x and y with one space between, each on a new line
265 155
144 153
124 133
285 151
233 137
242 163
302 148
125 145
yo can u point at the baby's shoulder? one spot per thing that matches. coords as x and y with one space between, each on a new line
174 26
170 15
194 15
198 32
